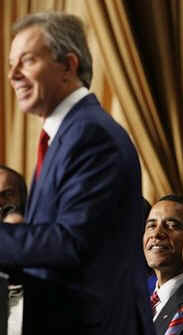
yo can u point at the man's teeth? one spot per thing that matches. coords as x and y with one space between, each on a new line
158 247
20 92
22 89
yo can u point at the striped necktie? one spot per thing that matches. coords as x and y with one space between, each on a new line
154 301
42 148
176 324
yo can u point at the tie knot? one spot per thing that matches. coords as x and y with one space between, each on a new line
44 137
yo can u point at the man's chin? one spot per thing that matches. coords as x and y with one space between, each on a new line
29 109
159 264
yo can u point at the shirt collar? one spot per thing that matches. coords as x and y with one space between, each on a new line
53 121
169 288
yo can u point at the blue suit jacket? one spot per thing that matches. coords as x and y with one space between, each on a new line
81 248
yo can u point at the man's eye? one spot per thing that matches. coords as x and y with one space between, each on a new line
174 225
28 60
150 225
8 193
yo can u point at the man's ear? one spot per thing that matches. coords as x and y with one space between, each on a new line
71 63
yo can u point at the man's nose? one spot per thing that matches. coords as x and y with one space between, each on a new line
14 72
160 231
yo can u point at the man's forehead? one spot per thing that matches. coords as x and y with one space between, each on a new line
166 208
4 176
5 179
25 40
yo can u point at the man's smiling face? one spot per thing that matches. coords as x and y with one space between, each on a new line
37 79
163 237
9 194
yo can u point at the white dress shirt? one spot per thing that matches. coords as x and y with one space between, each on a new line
54 120
166 291
15 310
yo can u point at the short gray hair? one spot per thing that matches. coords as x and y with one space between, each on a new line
64 33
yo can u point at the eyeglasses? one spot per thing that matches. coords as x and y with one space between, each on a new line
7 209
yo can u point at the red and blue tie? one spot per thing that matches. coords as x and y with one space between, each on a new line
154 301
176 324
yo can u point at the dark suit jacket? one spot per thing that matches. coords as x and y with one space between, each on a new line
84 267
3 305
168 312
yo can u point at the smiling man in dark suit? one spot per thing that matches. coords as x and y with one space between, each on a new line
84 211
163 248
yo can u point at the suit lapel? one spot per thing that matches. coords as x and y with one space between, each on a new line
29 200
168 311
36 186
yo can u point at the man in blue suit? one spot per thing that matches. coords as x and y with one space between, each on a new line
84 211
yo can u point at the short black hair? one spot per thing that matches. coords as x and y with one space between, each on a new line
147 207
20 184
172 197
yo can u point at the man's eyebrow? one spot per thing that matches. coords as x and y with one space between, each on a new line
150 220
10 60
168 218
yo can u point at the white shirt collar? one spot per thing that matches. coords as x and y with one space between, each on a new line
53 121
169 288
166 291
